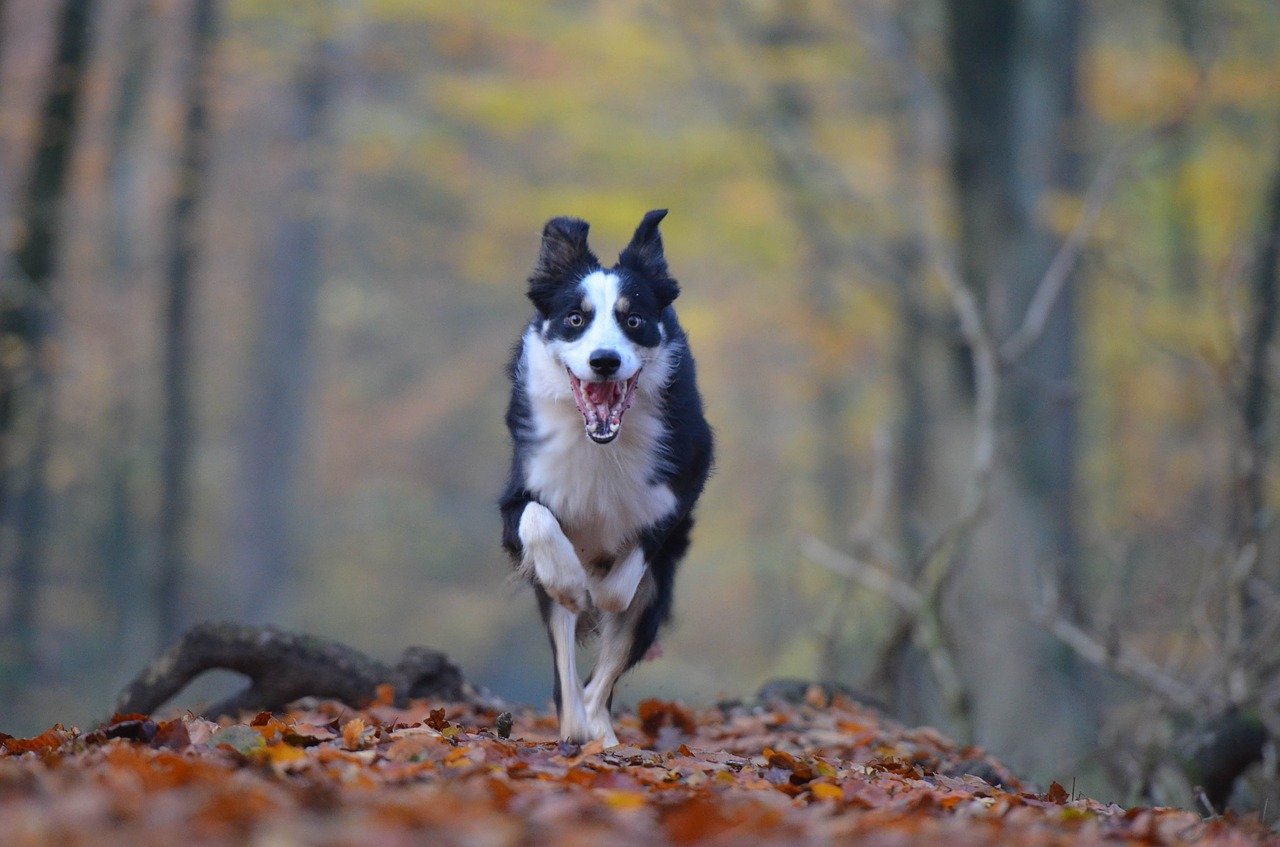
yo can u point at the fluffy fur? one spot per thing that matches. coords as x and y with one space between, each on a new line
610 453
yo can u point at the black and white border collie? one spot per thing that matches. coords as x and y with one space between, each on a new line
611 451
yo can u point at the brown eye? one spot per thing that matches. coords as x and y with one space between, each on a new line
574 319
634 321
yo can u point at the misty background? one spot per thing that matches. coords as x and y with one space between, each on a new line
982 295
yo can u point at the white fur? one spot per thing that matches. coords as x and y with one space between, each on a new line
615 590
574 721
615 645
600 492
550 555
603 333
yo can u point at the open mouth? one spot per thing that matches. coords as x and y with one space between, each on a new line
603 404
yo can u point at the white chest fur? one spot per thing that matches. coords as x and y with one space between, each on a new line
600 493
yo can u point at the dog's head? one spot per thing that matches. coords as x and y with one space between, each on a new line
604 325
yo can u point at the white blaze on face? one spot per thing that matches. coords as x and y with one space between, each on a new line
599 304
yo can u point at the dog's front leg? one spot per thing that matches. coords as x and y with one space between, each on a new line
550 556
575 724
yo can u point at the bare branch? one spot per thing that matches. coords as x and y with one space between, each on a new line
878 579
1095 199
1120 659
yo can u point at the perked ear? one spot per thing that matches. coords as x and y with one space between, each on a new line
644 255
563 259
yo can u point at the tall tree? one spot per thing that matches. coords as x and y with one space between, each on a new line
1013 104
118 529
265 544
175 459
26 313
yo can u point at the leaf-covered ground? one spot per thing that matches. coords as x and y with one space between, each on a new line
441 774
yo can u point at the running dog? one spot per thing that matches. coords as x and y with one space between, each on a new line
610 453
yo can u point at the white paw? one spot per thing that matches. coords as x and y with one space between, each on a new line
601 727
551 557
615 591
574 724
563 588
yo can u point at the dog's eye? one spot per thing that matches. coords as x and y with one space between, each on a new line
634 321
574 319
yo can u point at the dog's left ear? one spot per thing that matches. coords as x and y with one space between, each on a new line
644 256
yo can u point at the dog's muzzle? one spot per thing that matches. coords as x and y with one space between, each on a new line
603 404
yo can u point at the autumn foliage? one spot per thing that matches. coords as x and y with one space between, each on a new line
326 774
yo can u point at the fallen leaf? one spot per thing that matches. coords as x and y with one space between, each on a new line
353 734
1057 794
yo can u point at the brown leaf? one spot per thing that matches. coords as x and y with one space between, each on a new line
656 714
436 720
308 734
172 735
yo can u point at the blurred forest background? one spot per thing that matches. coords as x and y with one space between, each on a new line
983 297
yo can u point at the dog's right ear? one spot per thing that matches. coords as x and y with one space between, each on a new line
563 259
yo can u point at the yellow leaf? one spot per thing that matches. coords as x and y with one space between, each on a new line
826 791
624 799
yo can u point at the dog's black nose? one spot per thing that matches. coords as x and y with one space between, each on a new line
605 362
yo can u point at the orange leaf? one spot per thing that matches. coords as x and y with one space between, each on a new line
384 695
281 754
51 739
353 734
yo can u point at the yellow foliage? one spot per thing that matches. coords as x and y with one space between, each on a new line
1124 86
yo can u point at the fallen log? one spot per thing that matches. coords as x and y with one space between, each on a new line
286 666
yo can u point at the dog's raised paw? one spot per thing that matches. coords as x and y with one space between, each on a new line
571 595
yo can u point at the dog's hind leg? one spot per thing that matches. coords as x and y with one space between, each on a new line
617 636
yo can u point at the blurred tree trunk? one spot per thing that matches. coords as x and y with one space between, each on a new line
790 109
1183 228
26 317
1249 515
264 551
138 46
1042 389
833 470
175 459
1014 112
117 534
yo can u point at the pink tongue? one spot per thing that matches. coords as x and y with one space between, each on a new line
601 395
598 392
